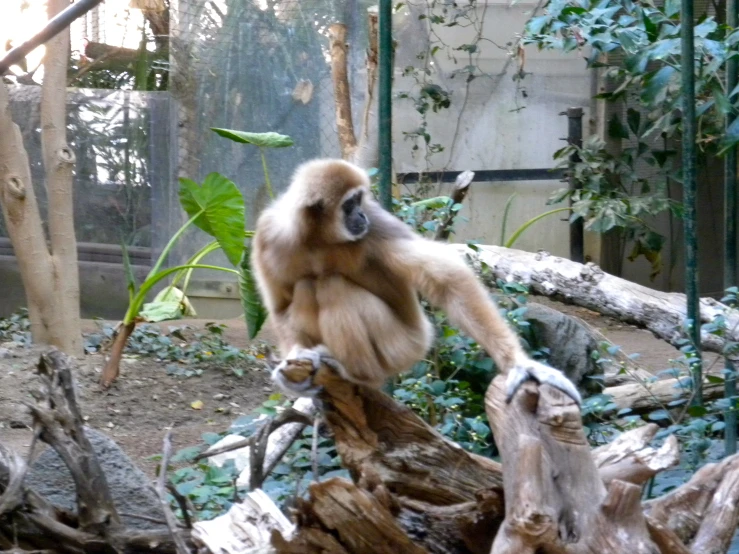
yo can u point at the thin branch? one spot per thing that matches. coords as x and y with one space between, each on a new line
314 449
161 493
290 415
184 504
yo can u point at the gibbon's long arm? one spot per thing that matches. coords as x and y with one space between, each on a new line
440 275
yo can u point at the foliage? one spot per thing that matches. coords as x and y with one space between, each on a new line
217 208
251 301
429 95
16 327
186 350
637 44
212 490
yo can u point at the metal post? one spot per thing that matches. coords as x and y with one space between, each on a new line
730 253
689 192
385 85
574 137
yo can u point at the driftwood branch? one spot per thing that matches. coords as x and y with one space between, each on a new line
57 416
413 490
589 286
32 521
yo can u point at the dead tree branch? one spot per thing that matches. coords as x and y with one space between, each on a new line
461 188
31 521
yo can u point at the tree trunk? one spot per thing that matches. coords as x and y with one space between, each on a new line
50 277
59 163
342 95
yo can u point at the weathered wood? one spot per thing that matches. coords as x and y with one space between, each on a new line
589 286
362 521
415 491
702 510
246 525
629 458
375 433
650 395
459 193
558 499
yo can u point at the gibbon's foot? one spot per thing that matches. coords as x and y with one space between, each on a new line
303 363
542 374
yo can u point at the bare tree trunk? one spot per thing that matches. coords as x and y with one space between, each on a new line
366 153
50 277
342 95
59 163
363 150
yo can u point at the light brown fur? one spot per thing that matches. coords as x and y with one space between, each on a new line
359 298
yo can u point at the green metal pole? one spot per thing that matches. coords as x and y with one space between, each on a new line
385 85
689 192
730 213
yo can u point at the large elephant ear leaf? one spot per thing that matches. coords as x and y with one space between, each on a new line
219 207
254 311
263 140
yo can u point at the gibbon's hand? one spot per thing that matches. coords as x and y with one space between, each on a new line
542 374
303 364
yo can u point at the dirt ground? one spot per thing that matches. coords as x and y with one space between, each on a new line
139 408
144 402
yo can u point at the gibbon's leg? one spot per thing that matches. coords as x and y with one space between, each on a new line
361 338
439 274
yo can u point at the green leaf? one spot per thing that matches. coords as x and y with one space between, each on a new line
169 303
254 311
672 7
616 129
656 83
265 140
128 270
650 27
722 102
633 118
221 208
536 24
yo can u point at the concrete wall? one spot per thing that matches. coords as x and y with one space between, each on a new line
495 122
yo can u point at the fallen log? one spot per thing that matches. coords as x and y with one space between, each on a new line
587 285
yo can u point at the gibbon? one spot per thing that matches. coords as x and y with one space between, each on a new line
341 279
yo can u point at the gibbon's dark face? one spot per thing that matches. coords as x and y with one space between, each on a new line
355 220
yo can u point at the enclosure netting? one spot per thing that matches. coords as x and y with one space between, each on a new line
246 65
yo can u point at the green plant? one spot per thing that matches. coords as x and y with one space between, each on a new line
216 207
261 141
645 70
16 327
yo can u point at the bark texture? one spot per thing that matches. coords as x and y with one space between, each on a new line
589 286
50 274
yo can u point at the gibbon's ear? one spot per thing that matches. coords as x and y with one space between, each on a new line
316 209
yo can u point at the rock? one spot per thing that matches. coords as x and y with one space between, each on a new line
5 353
570 343
129 486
